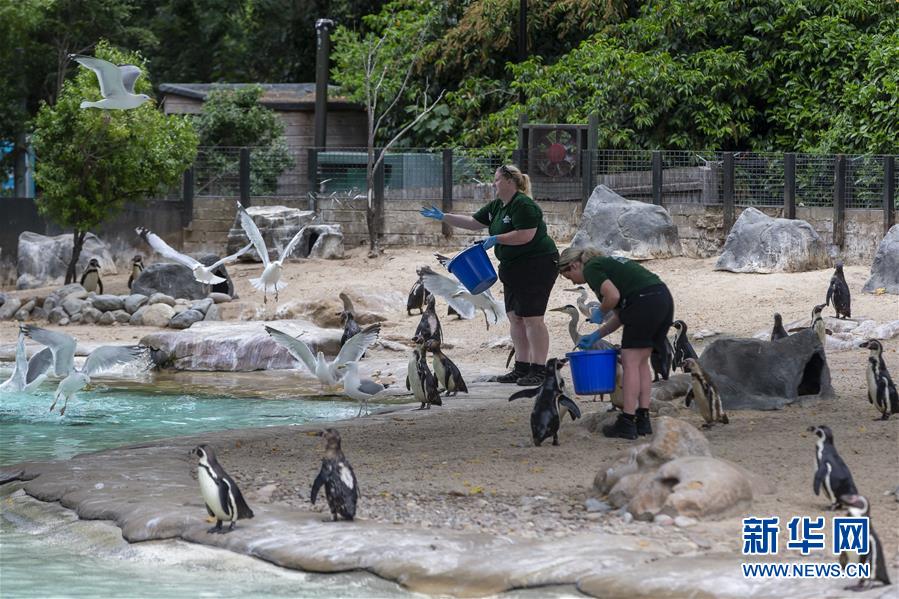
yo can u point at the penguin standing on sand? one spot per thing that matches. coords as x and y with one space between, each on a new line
858 507
137 267
338 478
778 332
418 297
419 378
350 327
838 291
429 325
705 393
550 405
445 370
660 360
224 502
90 279
831 471
881 389
683 349
818 324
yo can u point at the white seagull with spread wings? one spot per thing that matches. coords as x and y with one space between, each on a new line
116 83
202 273
27 374
460 299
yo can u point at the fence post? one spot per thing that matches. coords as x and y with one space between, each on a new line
790 185
657 177
889 193
839 201
187 197
379 195
245 177
447 189
728 192
312 177
520 156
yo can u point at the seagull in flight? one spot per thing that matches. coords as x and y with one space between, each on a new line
459 298
27 374
62 347
116 83
202 273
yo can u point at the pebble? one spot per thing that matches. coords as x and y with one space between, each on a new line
595 505
684 521
663 520
627 517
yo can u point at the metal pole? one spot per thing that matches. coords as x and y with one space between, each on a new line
728 192
312 176
889 193
322 56
379 194
790 185
187 197
447 189
245 176
839 201
522 40
657 177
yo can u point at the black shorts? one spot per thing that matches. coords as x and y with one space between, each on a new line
646 317
528 282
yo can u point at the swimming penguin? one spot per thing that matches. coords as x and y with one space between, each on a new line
778 332
137 267
683 349
881 389
705 393
831 471
350 326
419 378
839 292
858 507
224 502
551 403
429 325
445 370
418 297
336 474
660 360
90 280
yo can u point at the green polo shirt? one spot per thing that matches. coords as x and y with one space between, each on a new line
520 213
628 276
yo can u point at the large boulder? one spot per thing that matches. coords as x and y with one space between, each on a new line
628 228
757 374
321 241
43 260
885 269
277 224
174 280
760 243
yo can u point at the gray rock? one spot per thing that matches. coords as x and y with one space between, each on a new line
595 505
157 315
121 316
21 314
44 260
72 305
9 308
135 301
277 224
137 318
885 268
90 315
106 318
212 314
55 298
63 321
182 302
29 305
39 313
161 298
321 241
219 298
173 280
57 314
759 243
180 308
185 319
50 303
622 227
107 302
202 305
75 318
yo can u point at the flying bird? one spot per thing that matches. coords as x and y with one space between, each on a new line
460 299
27 374
116 83
202 273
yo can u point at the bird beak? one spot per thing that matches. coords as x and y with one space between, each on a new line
314 433
557 309
863 344
810 429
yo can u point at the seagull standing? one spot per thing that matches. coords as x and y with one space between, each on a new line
202 273
116 83
358 388
460 299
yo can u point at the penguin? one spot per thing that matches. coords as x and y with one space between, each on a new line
418 297
350 326
838 291
90 279
446 371
550 405
429 325
831 471
224 500
705 393
660 360
778 332
818 324
858 507
419 378
336 474
881 389
137 267
683 349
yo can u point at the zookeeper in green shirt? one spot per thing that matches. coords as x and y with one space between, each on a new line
528 266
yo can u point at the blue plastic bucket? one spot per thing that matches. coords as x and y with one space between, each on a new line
593 370
473 269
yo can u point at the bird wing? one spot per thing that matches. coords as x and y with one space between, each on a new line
443 260
21 369
573 410
243 510
129 73
495 310
253 234
165 250
229 259
356 345
297 348
370 387
61 345
830 290
108 74
108 356
38 364
288 249
819 477
524 393
449 290
317 484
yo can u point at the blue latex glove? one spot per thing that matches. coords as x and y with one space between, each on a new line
588 341
597 316
432 212
488 242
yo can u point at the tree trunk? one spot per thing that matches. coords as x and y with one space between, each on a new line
371 222
77 244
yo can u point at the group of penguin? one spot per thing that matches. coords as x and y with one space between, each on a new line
92 282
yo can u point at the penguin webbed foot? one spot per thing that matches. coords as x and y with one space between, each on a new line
862 585
217 529
556 440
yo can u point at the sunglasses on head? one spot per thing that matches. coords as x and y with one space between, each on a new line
566 268
506 171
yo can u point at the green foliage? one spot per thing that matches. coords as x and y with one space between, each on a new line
91 162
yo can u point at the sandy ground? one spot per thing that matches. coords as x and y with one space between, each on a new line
471 465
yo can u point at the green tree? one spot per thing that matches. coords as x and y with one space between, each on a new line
91 162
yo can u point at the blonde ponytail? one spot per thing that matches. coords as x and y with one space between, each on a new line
522 181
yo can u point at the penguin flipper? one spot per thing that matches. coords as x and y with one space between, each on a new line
209 511
316 485
243 510
524 393
830 289
819 478
224 492
573 410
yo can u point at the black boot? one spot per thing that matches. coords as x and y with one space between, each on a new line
624 427
521 369
644 427
535 375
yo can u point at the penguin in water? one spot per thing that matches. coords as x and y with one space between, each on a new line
550 405
705 393
858 507
419 378
445 370
224 501
418 297
838 291
338 478
683 349
90 279
831 471
429 325
778 332
137 267
881 389
660 360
